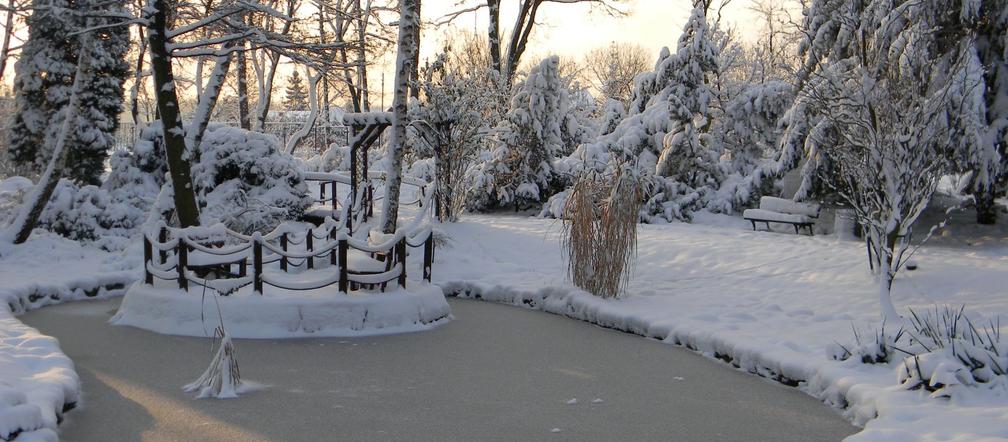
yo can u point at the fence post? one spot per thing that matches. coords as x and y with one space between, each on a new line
257 264
401 257
310 241
334 199
343 280
182 253
283 257
148 256
163 238
428 257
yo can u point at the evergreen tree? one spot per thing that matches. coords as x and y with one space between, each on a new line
530 137
666 133
44 75
297 95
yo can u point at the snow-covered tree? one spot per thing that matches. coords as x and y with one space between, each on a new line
611 70
296 97
44 73
884 107
667 129
456 111
518 169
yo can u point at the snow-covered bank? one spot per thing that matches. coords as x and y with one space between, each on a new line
768 303
37 381
283 314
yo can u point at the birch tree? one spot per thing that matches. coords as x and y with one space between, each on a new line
408 21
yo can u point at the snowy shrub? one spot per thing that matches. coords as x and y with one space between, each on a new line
90 213
241 178
12 194
246 182
879 350
335 158
947 352
941 351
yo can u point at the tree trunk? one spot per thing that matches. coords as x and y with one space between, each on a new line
36 201
415 73
397 144
8 31
494 35
986 209
207 101
167 103
241 71
362 80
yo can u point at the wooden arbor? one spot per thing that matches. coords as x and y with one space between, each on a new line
365 127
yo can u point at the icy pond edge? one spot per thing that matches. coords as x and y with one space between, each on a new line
579 305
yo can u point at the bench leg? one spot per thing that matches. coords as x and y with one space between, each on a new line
753 225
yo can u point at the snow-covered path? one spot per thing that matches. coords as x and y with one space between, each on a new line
495 372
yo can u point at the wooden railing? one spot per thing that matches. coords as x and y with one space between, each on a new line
220 249
217 249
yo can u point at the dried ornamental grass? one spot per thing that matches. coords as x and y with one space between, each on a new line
600 231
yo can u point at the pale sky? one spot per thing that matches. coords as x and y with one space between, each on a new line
569 30
573 29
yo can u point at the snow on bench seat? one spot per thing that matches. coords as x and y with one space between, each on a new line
766 215
781 205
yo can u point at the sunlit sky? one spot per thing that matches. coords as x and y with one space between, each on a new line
569 30
574 29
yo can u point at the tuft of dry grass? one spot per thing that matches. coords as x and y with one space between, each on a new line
222 379
600 231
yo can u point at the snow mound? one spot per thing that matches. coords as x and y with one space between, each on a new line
322 312
37 382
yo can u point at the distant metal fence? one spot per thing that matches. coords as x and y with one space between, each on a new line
318 139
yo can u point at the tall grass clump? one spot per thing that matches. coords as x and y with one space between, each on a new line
600 230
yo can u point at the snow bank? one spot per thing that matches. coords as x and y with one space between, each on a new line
768 304
283 314
37 381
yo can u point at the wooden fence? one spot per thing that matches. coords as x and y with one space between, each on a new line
208 257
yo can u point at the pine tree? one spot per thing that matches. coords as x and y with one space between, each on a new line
44 75
666 131
297 96
531 137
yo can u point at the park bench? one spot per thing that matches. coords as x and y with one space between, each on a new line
783 211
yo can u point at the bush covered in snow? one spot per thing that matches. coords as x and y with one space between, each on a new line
90 213
82 213
241 178
942 351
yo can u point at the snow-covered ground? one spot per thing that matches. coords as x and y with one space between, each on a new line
37 381
770 303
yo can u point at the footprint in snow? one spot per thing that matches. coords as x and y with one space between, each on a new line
572 401
555 430
597 400
679 378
